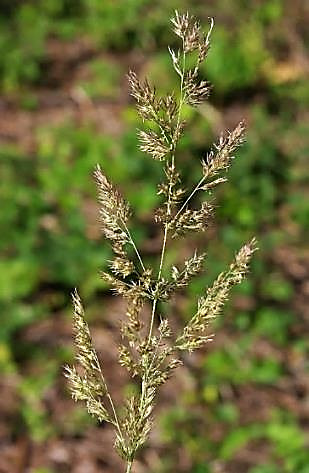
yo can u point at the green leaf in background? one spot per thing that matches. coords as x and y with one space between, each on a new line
265 469
237 438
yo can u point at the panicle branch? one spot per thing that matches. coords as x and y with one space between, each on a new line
192 220
193 39
220 158
114 213
91 386
164 289
210 306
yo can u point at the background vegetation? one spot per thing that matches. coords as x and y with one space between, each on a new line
244 403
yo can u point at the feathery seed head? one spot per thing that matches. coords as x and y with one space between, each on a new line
148 352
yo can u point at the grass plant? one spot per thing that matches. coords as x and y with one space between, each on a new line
149 350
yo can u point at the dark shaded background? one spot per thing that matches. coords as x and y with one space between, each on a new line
240 406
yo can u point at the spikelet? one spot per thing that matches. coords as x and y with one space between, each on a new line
164 289
192 267
188 29
145 95
196 92
136 424
121 266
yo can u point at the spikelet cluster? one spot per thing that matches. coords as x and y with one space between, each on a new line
90 385
149 351
195 333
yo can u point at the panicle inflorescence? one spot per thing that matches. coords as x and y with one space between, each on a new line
149 351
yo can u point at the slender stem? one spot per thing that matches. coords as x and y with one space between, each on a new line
115 415
154 304
138 254
163 249
161 260
181 102
129 466
109 397
127 231
190 196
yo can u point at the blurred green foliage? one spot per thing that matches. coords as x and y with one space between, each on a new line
50 240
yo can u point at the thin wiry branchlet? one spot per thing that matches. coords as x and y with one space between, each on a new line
125 289
148 350
210 306
221 157
118 286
